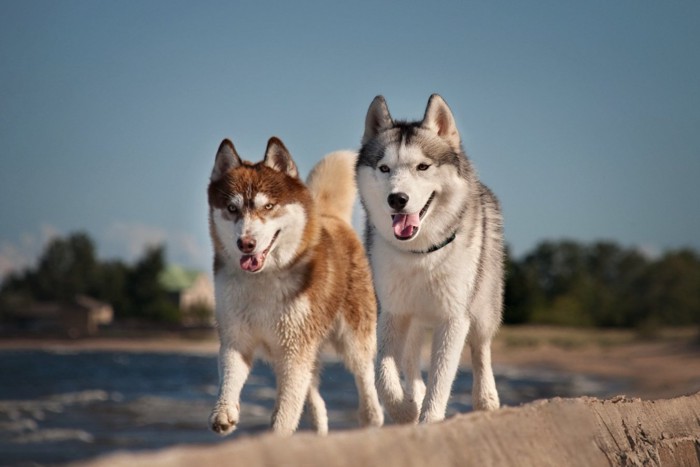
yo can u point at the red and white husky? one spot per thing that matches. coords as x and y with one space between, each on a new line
290 274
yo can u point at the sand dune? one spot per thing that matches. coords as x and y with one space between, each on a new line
556 432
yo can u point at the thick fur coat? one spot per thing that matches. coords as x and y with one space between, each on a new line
290 275
435 242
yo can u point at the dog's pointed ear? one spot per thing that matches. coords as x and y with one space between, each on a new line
378 119
277 157
226 158
438 118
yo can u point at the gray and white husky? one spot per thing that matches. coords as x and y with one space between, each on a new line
434 237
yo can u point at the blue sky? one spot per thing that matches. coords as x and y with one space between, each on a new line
583 117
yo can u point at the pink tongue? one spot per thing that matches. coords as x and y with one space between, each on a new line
252 263
403 224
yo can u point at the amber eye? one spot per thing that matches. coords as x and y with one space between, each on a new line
269 206
232 208
423 166
384 168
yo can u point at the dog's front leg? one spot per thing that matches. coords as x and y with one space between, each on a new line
234 367
294 374
448 341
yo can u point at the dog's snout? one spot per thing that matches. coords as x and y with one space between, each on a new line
246 244
398 200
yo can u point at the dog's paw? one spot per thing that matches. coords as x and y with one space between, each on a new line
431 417
372 417
489 402
405 411
224 418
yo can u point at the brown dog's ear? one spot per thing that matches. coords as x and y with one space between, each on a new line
378 119
438 118
277 157
226 158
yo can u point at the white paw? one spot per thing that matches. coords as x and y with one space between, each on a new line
431 417
489 402
224 418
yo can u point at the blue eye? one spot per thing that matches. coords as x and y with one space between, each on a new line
232 208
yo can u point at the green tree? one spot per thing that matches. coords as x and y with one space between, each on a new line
671 290
557 275
522 293
112 281
147 297
67 267
612 273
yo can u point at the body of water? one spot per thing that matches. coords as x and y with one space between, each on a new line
57 407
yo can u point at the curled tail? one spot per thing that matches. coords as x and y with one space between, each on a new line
332 184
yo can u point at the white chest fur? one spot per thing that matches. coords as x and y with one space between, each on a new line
430 286
263 309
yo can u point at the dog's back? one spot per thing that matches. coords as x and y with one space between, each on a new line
345 280
340 281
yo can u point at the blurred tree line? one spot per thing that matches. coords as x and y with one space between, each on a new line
603 285
563 283
69 266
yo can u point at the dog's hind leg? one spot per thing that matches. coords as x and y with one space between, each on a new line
315 404
448 342
411 355
485 322
390 330
484 393
294 374
358 354
370 411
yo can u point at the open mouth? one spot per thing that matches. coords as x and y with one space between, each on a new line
406 226
255 262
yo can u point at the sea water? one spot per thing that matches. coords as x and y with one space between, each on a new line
58 407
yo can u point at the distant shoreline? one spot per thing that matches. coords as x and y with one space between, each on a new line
667 366
172 344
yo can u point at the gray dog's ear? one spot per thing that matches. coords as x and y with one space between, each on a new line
226 158
438 118
378 119
277 157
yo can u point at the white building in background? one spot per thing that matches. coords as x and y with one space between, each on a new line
193 292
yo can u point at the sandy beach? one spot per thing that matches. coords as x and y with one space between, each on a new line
663 367
155 390
573 432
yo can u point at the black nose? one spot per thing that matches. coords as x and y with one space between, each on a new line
398 201
246 244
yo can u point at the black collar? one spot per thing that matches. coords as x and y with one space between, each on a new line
436 247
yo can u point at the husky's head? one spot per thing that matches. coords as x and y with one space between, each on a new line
257 212
413 177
